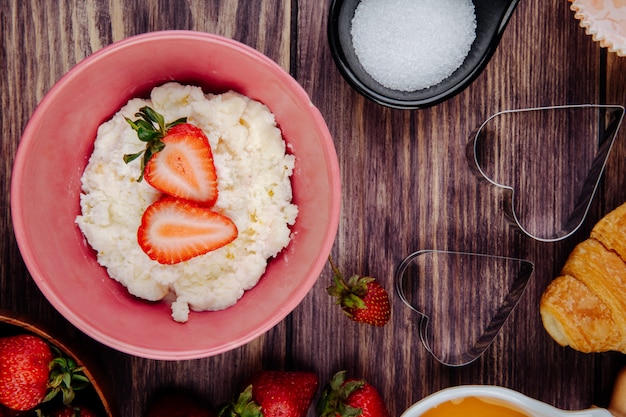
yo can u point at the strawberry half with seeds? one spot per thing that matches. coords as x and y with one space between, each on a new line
362 299
351 397
178 160
274 394
174 230
24 361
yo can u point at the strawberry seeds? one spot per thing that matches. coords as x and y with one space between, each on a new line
182 148
178 162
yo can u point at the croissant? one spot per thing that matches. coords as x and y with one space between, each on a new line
585 307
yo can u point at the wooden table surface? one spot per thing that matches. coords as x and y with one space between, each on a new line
404 179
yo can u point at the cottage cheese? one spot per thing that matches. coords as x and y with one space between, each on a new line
254 186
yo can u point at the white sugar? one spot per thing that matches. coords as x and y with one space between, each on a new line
410 45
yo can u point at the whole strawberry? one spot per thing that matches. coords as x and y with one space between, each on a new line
274 394
24 361
350 397
362 299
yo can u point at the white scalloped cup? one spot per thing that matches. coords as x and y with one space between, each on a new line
605 21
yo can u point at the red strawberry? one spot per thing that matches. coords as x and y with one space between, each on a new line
73 411
174 230
184 168
24 361
178 160
177 404
274 394
362 299
350 397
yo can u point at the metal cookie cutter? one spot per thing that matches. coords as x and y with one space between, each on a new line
462 299
548 160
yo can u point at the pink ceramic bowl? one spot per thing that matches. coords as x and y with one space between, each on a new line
54 151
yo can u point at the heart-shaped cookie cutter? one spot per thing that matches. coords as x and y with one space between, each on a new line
557 153
455 325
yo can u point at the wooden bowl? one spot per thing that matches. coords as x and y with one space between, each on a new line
98 395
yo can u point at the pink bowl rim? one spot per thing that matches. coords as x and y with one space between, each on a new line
29 257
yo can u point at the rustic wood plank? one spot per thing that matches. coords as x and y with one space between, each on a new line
406 186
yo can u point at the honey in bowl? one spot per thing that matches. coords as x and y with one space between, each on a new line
474 407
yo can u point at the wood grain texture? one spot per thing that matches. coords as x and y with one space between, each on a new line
407 186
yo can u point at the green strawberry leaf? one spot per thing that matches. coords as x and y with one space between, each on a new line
150 128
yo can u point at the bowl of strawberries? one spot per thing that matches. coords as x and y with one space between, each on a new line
179 210
43 375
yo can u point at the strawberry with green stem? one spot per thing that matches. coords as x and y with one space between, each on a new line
274 394
32 372
350 397
150 128
177 160
362 299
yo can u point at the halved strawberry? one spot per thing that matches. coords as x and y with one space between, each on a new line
174 230
185 167
178 160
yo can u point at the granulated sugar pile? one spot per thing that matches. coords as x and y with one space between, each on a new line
410 45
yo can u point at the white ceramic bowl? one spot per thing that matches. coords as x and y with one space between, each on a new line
54 151
499 395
